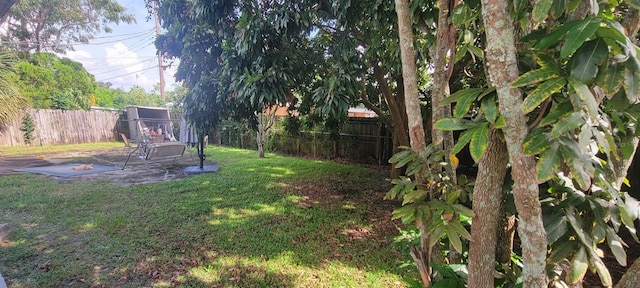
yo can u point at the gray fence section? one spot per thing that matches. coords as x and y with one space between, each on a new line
56 127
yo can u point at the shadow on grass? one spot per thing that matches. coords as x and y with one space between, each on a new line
280 222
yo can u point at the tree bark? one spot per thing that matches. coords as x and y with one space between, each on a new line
631 278
502 66
261 136
410 78
487 199
264 124
444 51
443 54
414 116
398 115
506 232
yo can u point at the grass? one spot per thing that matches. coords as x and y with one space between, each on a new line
30 150
274 222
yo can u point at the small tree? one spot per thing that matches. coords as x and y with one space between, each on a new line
28 126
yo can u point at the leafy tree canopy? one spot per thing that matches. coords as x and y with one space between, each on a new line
56 25
42 74
11 101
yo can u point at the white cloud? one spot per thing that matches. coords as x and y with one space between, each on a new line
131 68
78 55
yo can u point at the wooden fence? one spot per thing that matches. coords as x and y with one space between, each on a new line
363 140
54 127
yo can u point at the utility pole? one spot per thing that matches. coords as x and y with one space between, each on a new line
160 66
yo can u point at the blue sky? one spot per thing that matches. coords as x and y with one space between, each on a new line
127 56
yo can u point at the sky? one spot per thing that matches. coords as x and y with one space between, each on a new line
126 56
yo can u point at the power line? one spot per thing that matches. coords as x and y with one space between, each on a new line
125 34
110 78
119 67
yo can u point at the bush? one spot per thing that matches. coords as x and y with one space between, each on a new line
28 126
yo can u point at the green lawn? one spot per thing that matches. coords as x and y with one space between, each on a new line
274 222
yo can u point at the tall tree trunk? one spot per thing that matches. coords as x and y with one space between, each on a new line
506 233
442 55
631 278
396 111
445 48
264 124
487 198
260 137
414 116
410 77
502 66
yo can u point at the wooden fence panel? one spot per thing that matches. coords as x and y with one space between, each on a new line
56 127
363 140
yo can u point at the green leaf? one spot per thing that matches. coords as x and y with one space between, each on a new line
562 249
500 122
541 10
462 51
405 213
557 111
541 93
463 140
490 109
535 76
546 61
414 167
535 143
479 141
626 147
463 105
457 228
613 79
406 159
552 38
584 63
586 97
556 226
476 51
462 210
631 85
462 14
566 124
414 196
548 163
603 272
577 35
454 239
403 157
624 215
613 30
404 152
616 245
436 235
461 94
572 157
452 124
579 266
558 8
576 224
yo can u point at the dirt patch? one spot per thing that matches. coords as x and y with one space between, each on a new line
137 171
